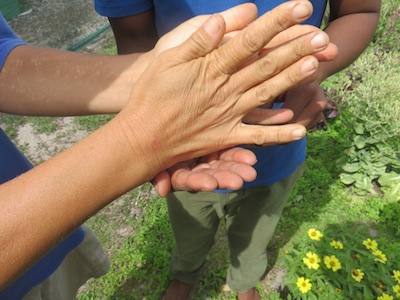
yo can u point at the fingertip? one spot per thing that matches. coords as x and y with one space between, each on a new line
213 25
299 132
302 10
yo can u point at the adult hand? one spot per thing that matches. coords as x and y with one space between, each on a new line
217 78
236 18
226 169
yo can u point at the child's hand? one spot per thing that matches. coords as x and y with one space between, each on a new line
227 169
307 103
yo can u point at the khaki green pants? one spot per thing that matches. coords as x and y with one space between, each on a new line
251 217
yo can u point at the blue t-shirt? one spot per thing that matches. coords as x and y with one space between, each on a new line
274 163
12 164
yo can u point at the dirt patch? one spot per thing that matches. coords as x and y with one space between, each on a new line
58 24
39 147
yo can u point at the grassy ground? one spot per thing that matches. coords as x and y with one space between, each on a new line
136 233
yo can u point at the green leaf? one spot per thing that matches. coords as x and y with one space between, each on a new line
364 184
389 179
360 142
359 128
351 167
347 178
390 183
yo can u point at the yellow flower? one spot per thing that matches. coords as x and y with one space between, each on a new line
380 256
396 290
315 234
303 284
385 297
396 275
337 245
331 262
357 274
370 244
338 291
312 260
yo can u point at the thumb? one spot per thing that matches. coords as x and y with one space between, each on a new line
205 39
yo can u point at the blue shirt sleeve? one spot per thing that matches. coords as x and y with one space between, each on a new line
8 40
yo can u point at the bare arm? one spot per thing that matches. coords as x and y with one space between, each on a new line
351 27
352 24
35 79
135 33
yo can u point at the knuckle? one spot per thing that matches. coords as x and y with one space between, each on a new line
298 48
279 21
268 66
263 93
198 42
259 138
292 77
252 41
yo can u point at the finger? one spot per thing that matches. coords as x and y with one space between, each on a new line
268 135
279 84
244 171
280 58
312 114
203 40
327 54
263 116
238 17
318 119
238 154
186 180
162 183
253 38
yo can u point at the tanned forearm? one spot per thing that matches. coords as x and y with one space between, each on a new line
105 158
35 79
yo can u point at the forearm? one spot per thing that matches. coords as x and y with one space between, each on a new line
42 206
352 35
43 81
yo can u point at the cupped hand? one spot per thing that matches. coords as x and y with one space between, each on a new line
226 169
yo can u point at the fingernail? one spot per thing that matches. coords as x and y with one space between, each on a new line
319 41
299 133
308 66
211 26
301 11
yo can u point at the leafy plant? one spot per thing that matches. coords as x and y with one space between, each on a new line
342 265
372 155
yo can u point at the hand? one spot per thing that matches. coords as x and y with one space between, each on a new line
307 102
227 169
198 63
236 18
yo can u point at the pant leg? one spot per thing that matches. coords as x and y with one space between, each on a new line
194 222
251 223
86 261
